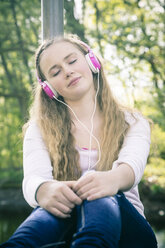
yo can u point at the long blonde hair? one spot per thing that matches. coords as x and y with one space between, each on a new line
54 121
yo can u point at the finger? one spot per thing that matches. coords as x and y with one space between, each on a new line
84 189
99 193
58 213
83 181
71 196
95 196
92 194
70 184
64 200
63 208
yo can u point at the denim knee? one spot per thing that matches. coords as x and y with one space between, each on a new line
106 214
99 223
39 229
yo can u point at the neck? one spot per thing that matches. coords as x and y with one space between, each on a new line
83 108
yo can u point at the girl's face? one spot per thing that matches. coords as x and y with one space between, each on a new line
65 68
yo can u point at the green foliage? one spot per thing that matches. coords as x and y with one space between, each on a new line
11 141
11 178
72 23
158 143
154 175
134 31
19 38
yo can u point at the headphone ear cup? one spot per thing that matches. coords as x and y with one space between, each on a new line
93 62
49 90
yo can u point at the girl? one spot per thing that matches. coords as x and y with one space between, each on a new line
82 150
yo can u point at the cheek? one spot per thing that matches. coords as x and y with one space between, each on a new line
86 70
57 85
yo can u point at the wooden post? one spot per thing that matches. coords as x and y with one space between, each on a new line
52 18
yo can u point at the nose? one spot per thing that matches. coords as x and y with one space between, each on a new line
67 71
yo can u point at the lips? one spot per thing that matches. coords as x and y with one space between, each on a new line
74 81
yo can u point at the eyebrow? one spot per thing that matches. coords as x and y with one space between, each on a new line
65 58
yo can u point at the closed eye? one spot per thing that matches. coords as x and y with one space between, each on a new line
73 61
55 74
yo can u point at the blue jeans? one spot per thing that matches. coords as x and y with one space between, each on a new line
109 222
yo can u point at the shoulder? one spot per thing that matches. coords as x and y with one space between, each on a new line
137 122
32 130
135 117
33 139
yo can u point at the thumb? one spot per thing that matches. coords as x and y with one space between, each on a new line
70 184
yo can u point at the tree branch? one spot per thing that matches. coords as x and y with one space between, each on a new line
20 40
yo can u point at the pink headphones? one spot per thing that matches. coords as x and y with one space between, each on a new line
92 62
48 88
91 59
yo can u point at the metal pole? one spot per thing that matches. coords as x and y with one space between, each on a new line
52 18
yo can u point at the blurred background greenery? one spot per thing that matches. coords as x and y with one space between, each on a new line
129 37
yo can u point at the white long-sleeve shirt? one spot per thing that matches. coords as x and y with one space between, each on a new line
134 151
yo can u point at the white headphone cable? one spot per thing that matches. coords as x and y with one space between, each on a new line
91 132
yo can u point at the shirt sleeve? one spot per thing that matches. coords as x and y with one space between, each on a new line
36 164
136 146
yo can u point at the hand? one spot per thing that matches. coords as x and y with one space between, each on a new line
58 198
97 184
